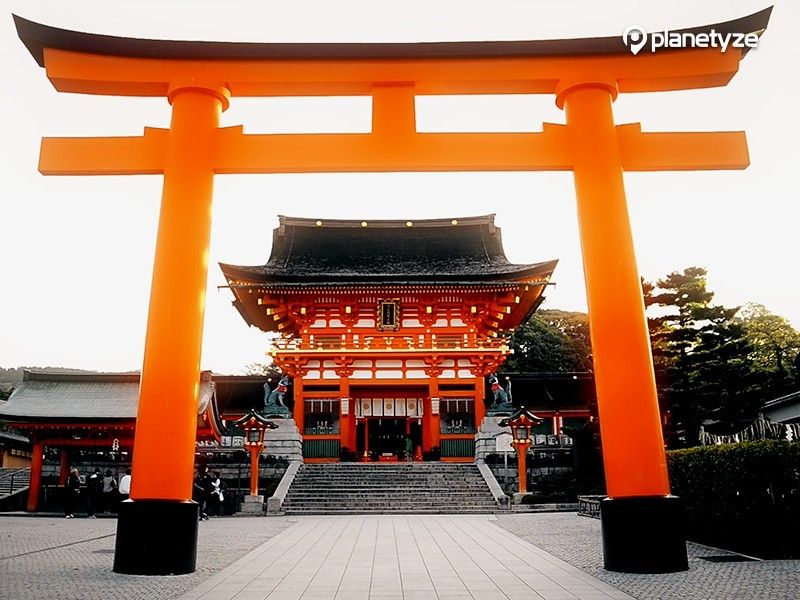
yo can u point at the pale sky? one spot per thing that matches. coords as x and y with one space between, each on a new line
76 253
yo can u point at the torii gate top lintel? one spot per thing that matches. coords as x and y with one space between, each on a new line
78 62
392 74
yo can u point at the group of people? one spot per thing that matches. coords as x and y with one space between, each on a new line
208 493
102 492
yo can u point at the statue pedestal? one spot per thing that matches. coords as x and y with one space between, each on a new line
485 438
285 441
276 411
252 505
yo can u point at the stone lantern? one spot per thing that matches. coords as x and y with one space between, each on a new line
521 423
254 426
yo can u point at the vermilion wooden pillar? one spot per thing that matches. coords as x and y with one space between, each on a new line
34 491
298 410
522 464
366 457
63 470
635 462
640 518
254 452
346 421
480 406
431 432
161 507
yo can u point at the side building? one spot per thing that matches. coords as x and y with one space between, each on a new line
388 328
72 412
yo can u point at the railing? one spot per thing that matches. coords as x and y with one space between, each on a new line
321 448
456 447
383 343
550 440
589 506
448 429
12 481
331 428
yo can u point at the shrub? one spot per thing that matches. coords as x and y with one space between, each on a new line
347 455
497 458
742 496
554 488
271 460
493 458
432 454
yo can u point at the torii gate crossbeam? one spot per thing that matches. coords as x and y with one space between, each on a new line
157 530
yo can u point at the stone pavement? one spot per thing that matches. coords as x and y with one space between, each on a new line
400 557
52 558
577 540
436 557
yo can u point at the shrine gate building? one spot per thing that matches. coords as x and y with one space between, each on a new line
388 328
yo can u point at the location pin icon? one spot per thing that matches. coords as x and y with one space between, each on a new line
635 37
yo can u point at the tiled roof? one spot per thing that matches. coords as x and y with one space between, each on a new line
783 400
460 250
14 438
61 396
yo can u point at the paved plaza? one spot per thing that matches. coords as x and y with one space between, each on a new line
533 556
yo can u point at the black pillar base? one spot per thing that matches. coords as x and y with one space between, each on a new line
643 534
156 537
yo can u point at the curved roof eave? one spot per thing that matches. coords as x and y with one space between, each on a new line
513 274
37 37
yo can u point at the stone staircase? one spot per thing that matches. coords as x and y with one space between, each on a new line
13 481
388 488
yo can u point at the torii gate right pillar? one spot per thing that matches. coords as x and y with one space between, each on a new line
642 523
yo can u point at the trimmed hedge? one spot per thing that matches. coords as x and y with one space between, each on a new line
744 496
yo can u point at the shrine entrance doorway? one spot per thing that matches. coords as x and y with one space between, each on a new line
387 438
383 439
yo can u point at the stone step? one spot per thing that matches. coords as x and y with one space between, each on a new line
393 511
385 491
389 498
392 481
377 470
439 507
393 488
327 469
398 479
384 486
389 475
335 467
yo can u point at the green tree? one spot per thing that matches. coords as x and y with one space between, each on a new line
775 346
702 356
552 341
725 383
262 369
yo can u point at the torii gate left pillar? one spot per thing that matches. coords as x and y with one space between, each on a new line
157 531
173 344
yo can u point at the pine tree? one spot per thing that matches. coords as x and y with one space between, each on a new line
703 359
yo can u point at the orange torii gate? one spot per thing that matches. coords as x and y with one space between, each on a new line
157 531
